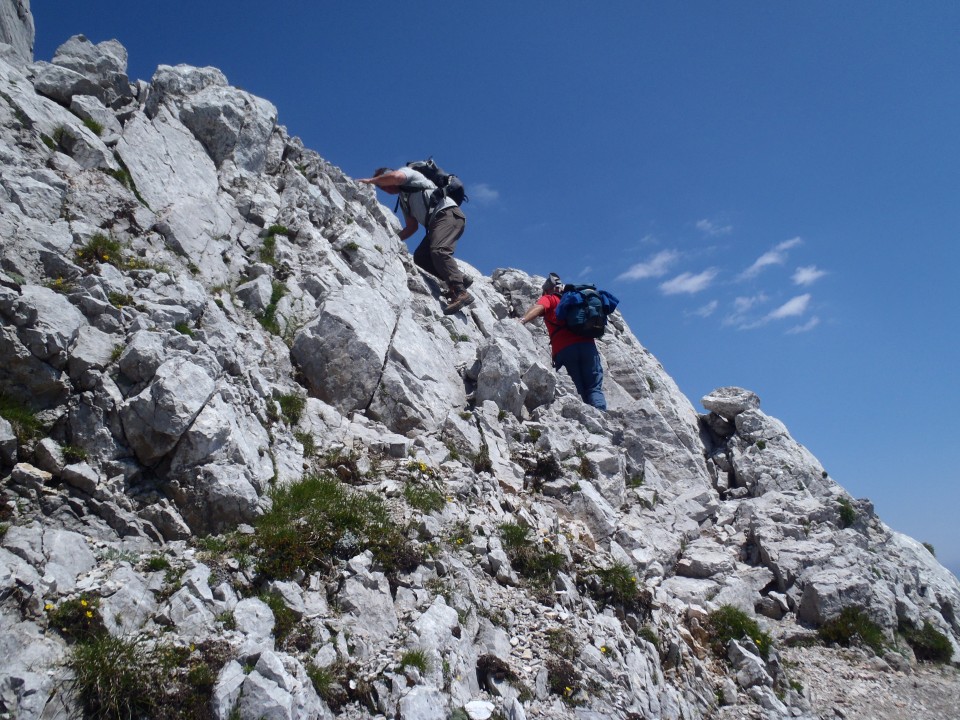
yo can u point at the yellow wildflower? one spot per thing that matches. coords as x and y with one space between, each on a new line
83 602
89 614
48 606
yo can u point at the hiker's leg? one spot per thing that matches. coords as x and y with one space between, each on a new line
422 256
445 230
592 369
569 358
582 362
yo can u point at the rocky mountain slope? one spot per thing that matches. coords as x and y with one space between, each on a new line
245 453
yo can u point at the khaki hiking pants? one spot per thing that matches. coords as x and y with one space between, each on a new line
435 252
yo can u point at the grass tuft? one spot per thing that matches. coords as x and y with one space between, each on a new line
928 643
729 623
26 425
846 512
416 659
851 627
539 566
318 520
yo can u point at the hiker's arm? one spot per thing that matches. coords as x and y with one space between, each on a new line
410 228
394 177
535 311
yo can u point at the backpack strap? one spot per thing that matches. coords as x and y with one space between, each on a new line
432 202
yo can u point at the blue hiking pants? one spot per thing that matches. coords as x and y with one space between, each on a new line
582 361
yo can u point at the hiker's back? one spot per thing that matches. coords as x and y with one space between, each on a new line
583 310
420 197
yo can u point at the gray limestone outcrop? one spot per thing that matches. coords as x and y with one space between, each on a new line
199 313
17 31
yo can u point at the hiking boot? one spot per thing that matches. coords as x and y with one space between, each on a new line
458 303
451 292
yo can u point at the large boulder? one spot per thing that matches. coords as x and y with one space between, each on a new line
231 124
169 85
508 373
154 420
342 352
419 384
178 180
17 30
81 68
728 402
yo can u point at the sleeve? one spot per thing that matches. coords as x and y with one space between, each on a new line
415 179
549 302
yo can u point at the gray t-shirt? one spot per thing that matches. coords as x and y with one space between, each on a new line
414 203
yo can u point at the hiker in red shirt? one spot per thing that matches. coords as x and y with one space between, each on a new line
578 354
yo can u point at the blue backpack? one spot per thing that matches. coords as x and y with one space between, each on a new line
583 309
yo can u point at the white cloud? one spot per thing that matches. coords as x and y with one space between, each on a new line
794 307
744 304
585 272
741 307
707 310
708 227
808 275
654 267
483 194
777 256
689 283
806 327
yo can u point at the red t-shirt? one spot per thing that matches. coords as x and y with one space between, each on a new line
560 337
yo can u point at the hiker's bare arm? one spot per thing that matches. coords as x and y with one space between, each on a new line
388 179
410 228
535 311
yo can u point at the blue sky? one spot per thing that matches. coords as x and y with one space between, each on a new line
770 188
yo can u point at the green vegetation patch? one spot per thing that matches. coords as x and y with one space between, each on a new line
123 678
538 565
729 623
847 513
928 643
561 642
319 520
93 126
340 684
268 318
284 618
26 425
424 498
292 406
616 586
416 658
100 249
77 619
852 627
563 680
268 251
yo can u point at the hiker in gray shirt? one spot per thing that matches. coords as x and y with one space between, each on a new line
443 220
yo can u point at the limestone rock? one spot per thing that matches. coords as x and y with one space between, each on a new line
17 30
729 402
155 419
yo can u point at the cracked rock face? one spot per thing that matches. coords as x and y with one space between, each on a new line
198 312
17 31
